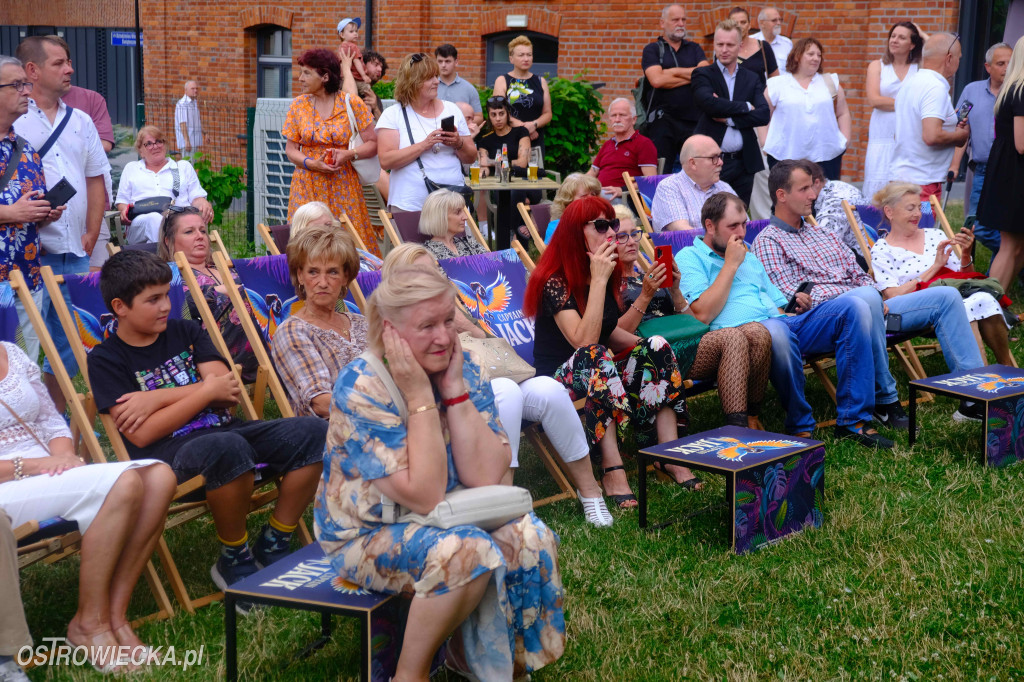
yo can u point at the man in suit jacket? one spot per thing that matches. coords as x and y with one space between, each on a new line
732 104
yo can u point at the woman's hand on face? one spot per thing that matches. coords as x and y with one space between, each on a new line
603 261
450 383
654 278
409 376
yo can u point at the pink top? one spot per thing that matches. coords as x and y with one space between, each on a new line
92 104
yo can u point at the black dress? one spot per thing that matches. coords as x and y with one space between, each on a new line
762 62
526 98
1001 206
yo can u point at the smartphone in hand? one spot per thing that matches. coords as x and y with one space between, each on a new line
60 194
804 288
448 124
964 111
663 255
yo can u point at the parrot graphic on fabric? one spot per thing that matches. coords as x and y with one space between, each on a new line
485 301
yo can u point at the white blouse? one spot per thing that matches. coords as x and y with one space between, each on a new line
138 182
23 391
804 124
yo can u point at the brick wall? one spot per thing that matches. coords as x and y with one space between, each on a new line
215 42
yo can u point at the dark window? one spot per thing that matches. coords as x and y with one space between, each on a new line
274 62
545 54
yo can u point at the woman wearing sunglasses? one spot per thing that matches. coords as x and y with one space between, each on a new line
574 292
153 176
737 357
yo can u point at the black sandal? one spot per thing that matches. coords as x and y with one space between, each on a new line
662 473
621 501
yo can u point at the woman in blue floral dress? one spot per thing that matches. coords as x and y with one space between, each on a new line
503 586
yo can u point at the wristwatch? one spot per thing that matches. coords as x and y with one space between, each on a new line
356 157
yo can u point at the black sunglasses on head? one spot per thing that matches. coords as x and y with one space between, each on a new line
602 225
496 101
417 58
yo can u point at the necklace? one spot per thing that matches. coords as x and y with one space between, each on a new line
209 273
436 149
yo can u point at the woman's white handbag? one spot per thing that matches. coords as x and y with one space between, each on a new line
368 169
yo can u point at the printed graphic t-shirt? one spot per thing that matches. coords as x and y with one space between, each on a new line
117 368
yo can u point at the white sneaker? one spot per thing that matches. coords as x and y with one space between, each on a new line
12 672
595 510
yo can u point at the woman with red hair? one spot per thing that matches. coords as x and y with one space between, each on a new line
574 295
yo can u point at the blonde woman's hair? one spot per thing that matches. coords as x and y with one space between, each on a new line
150 130
310 213
406 253
567 192
434 215
623 213
325 244
889 195
406 286
411 75
517 42
1014 80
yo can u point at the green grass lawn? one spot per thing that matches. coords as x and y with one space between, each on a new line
915 575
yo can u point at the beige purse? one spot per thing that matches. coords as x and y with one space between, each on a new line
488 507
498 357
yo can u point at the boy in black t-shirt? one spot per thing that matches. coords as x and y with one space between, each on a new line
187 422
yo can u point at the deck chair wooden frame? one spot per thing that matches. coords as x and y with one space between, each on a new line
905 351
943 222
48 550
475 229
82 422
268 239
390 229
180 512
531 226
638 201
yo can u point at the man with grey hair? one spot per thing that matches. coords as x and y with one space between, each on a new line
927 129
626 152
769 21
679 199
668 64
982 95
188 128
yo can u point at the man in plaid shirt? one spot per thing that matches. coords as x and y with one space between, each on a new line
794 252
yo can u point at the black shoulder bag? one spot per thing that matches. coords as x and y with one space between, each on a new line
466 192
12 163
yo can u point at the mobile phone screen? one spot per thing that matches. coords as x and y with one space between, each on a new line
964 110
448 124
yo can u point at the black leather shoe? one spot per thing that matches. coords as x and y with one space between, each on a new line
863 436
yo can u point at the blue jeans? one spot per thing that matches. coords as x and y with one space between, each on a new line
942 308
62 264
986 235
841 326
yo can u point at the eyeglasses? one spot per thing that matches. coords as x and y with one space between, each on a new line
21 87
497 100
602 225
153 143
623 237
713 157
956 37
183 209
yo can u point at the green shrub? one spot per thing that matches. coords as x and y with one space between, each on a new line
222 187
576 129
384 89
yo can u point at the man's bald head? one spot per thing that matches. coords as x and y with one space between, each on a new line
700 158
942 53
697 145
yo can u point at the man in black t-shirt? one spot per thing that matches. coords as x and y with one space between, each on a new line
667 64
169 391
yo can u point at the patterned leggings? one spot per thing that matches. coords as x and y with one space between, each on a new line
635 388
739 358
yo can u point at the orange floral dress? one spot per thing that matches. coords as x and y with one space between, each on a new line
341 191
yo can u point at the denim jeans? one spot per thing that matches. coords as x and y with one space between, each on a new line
841 326
62 264
942 308
986 235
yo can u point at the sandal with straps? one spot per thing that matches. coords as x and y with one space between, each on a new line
595 511
662 473
627 501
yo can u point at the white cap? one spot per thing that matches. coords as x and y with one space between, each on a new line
350 20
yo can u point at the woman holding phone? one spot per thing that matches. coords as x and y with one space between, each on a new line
421 136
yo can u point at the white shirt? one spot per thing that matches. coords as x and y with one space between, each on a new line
187 111
924 94
138 182
408 191
781 46
76 155
804 124
732 141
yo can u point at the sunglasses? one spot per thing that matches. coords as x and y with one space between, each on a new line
417 58
497 100
956 37
153 143
623 237
602 225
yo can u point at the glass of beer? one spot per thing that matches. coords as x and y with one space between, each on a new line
531 172
474 174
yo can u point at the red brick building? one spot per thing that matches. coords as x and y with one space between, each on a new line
237 49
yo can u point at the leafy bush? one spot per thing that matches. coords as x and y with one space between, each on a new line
573 136
384 89
222 187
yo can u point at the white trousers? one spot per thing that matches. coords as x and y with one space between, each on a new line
540 399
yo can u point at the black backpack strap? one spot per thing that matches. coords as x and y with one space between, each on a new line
12 163
56 133
176 187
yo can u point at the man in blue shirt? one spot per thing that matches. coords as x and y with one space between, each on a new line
982 94
728 286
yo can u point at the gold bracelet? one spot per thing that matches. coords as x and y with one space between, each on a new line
424 408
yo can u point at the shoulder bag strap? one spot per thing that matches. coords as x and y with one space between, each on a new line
833 93
408 127
764 60
26 426
176 178
385 376
56 133
12 163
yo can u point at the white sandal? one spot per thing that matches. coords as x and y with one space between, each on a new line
595 510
